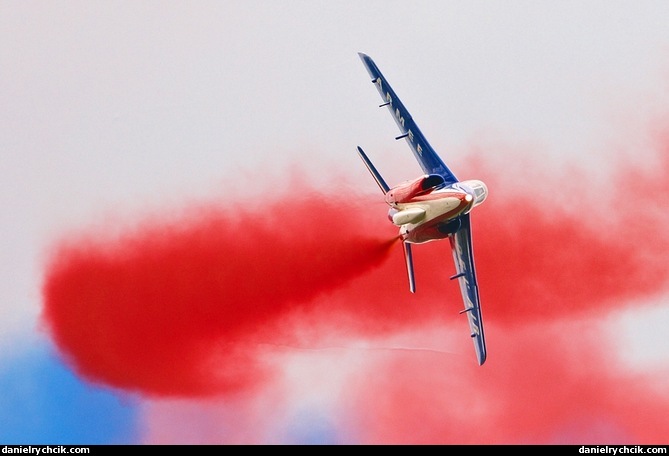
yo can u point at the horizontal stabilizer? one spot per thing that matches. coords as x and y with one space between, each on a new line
372 169
408 256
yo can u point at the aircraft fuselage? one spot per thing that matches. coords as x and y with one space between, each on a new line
434 213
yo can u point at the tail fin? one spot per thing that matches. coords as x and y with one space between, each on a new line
379 180
408 257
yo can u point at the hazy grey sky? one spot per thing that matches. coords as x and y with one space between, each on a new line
114 108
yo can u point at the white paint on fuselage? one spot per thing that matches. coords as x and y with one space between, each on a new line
433 208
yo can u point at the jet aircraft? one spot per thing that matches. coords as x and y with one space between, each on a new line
433 206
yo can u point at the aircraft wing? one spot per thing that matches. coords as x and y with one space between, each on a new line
461 246
427 158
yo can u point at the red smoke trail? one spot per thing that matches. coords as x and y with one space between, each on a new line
549 282
181 311
151 311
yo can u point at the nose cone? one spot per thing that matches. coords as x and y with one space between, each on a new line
466 202
478 190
